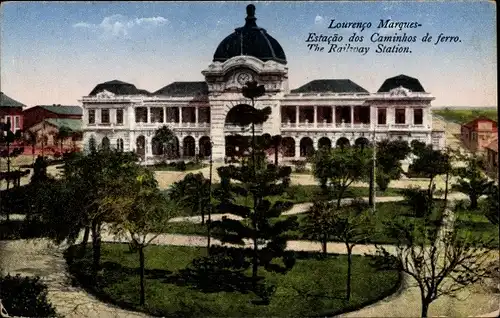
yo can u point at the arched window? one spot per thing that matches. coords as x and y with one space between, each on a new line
105 143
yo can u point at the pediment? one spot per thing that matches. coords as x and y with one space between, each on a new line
400 91
104 94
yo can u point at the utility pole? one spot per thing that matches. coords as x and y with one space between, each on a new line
374 159
210 199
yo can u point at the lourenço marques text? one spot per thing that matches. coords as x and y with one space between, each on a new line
397 42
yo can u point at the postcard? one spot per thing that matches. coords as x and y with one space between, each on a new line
144 143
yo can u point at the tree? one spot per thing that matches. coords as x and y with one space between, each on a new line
260 222
319 223
472 181
439 267
351 226
193 193
341 167
431 163
322 167
31 138
91 178
62 134
7 140
389 156
491 206
141 209
256 179
39 170
92 145
166 137
276 144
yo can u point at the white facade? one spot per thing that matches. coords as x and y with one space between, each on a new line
224 94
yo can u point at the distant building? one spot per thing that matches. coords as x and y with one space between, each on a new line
47 133
479 133
11 111
323 112
46 121
39 113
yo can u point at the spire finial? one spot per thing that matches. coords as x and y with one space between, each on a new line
251 11
250 19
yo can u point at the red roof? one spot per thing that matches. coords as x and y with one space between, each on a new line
473 124
493 145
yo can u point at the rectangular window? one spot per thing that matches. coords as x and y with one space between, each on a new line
119 116
105 116
91 116
156 114
400 116
17 122
418 116
382 116
141 115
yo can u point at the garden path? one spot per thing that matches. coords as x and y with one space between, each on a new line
39 257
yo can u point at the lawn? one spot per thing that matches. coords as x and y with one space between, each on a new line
397 212
314 287
393 212
473 224
462 116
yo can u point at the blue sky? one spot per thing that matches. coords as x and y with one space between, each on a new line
58 52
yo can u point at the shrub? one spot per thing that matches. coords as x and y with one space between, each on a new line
300 165
180 165
25 296
199 158
418 200
412 174
162 163
383 181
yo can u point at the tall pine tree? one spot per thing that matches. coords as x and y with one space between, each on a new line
256 179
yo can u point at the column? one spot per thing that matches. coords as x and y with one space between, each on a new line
424 116
148 149
390 114
148 114
315 116
180 116
131 142
333 116
297 149
352 115
98 115
297 116
164 115
196 141
408 116
131 117
196 117
181 148
373 117
112 116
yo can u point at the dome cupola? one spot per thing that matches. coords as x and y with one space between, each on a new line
250 40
